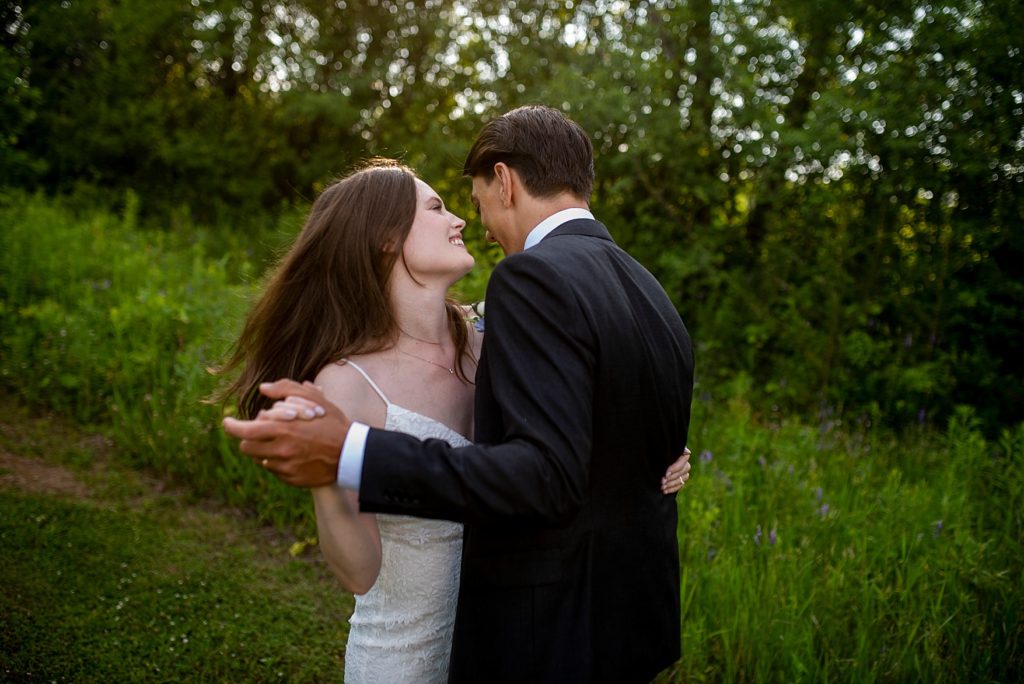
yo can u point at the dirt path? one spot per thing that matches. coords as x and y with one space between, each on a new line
36 477
41 453
46 454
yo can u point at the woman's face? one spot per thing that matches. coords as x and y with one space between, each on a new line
433 249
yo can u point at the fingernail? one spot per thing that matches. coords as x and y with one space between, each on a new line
290 413
320 411
309 413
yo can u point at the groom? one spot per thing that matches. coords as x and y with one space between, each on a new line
570 569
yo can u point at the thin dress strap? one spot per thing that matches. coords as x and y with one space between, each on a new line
367 378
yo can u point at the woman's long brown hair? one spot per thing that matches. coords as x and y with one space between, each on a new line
328 296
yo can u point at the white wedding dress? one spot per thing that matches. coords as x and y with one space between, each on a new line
401 630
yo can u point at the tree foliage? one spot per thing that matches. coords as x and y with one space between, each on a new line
831 190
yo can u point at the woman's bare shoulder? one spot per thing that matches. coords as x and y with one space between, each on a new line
344 386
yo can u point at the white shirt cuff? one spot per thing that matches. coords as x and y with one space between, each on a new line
350 467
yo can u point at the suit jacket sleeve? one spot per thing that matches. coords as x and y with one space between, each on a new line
539 360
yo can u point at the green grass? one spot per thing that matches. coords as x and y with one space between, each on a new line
135 584
893 559
140 583
94 595
812 549
116 325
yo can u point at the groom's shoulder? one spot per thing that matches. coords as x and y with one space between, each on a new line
538 261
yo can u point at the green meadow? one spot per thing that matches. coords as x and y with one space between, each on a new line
111 575
811 549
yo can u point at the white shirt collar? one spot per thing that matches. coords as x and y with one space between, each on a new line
541 230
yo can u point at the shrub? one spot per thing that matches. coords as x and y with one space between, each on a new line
115 325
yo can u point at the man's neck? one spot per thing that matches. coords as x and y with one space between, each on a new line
544 228
541 209
536 210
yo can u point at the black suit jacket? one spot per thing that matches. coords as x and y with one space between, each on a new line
570 569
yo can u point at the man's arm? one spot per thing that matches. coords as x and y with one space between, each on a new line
302 453
266 442
541 365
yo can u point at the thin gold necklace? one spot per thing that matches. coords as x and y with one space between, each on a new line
418 339
433 363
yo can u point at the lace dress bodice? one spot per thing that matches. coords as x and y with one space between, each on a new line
401 630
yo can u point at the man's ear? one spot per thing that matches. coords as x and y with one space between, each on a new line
507 179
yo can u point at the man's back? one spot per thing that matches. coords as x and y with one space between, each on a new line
592 594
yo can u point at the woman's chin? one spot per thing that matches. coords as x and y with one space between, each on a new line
463 271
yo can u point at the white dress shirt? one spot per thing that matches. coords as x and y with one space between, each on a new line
350 467
541 230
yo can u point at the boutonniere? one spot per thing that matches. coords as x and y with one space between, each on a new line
477 317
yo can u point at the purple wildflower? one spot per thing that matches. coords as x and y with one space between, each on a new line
725 479
920 416
938 529
818 493
705 456
772 537
823 511
762 462
757 536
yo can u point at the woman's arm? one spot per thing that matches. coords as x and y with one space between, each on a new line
350 540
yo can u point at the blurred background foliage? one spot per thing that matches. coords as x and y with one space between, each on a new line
830 190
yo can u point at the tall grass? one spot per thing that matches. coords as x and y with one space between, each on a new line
811 550
816 554
116 325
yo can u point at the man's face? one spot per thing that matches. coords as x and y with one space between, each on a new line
493 215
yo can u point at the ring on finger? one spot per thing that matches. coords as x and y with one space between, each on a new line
681 482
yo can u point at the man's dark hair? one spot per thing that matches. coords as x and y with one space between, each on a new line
550 152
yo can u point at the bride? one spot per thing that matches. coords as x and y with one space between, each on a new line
359 305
